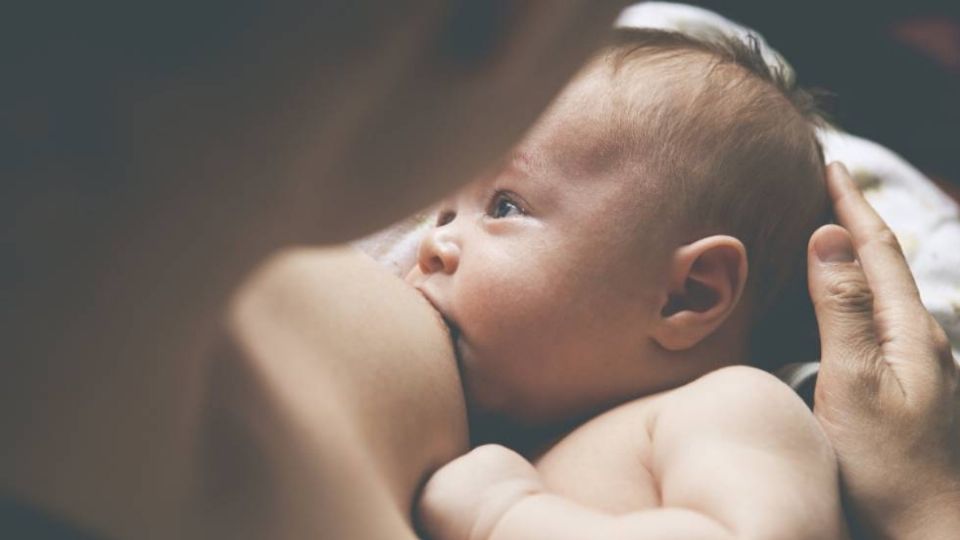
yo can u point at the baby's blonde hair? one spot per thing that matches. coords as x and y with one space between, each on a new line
735 143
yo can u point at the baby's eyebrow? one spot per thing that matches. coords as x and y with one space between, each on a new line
521 161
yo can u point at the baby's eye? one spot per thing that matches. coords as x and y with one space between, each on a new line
502 206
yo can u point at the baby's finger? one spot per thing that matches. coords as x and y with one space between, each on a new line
877 249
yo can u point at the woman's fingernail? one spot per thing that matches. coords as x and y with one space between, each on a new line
844 176
834 247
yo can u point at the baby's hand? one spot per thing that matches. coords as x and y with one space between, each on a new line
466 498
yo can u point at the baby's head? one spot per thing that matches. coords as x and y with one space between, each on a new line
608 257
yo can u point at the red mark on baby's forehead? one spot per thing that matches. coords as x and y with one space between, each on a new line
521 161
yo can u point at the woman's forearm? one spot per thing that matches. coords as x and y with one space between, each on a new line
163 156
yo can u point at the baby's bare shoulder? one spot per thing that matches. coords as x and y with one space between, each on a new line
737 401
604 463
731 442
741 445
736 397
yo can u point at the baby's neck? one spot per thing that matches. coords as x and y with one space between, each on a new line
525 438
530 439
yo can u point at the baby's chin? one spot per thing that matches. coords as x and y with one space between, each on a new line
496 418
485 395
491 396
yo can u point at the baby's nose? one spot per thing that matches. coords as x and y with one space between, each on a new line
439 252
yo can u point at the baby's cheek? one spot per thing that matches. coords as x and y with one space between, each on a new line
493 307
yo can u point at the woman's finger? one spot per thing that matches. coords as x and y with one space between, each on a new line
843 303
902 327
877 249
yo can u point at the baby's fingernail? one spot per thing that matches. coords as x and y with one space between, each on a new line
834 247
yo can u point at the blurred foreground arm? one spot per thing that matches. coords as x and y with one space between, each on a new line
156 155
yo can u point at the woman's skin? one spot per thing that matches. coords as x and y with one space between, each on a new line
159 159
334 393
888 393
153 387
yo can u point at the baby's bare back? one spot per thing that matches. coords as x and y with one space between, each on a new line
735 445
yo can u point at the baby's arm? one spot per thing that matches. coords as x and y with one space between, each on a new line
736 455
740 447
493 493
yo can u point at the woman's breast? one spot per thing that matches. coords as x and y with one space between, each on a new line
332 326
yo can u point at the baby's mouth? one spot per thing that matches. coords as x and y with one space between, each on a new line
454 331
451 325
455 341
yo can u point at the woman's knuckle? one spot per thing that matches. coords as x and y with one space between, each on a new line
948 363
860 370
870 377
850 296
938 338
936 341
886 237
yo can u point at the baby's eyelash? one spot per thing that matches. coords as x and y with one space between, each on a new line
504 204
444 217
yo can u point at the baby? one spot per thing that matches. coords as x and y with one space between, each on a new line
605 268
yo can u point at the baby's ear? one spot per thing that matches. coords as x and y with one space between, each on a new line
705 284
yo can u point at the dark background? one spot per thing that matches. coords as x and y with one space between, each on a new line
893 69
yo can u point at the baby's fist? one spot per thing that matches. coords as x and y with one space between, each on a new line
466 498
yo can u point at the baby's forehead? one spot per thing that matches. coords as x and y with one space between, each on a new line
591 153
604 121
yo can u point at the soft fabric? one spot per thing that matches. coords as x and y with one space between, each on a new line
396 246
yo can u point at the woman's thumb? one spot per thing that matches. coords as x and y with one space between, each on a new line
842 300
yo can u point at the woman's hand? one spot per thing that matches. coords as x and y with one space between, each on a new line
887 394
467 497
